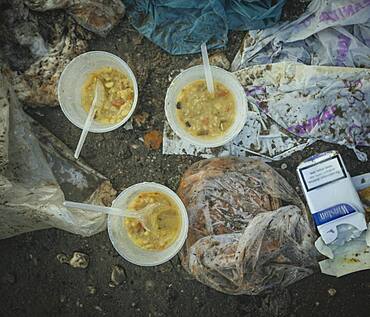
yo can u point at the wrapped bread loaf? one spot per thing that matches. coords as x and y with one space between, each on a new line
248 229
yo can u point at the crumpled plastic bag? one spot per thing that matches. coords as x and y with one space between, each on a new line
98 16
248 229
333 33
330 104
181 26
38 172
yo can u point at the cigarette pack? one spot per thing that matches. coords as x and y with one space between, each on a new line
333 201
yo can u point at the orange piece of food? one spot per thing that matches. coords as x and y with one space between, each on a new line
153 139
117 102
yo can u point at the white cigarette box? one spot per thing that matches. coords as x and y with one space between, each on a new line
331 196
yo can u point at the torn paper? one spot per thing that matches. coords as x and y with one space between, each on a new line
354 255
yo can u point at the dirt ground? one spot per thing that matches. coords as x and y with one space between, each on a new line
34 283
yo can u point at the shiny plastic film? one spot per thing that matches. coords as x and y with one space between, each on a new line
248 229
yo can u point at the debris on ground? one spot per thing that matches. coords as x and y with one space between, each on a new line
79 260
141 119
153 139
256 211
62 298
149 286
332 291
62 258
98 308
118 276
91 290
217 59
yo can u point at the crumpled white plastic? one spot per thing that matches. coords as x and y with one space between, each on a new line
332 33
324 103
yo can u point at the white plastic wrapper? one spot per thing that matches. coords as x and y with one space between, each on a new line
332 33
260 136
330 104
37 172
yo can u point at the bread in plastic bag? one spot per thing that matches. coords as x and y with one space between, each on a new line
248 229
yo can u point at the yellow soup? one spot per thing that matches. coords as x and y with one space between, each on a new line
119 95
165 220
203 114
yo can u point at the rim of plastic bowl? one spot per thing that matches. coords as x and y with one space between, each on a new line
211 143
182 235
129 73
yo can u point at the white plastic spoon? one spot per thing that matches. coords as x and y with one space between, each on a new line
98 99
142 214
207 69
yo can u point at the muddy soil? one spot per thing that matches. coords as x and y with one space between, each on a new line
33 282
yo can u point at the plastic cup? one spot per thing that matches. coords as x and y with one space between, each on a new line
224 77
123 244
72 79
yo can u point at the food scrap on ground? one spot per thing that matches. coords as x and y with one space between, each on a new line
153 139
78 260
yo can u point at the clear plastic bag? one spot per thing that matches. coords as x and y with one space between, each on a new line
248 229
37 172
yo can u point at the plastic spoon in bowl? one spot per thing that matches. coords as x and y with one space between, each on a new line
142 214
207 69
98 99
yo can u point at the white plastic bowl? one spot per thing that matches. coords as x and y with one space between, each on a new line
220 75
123 244
72 79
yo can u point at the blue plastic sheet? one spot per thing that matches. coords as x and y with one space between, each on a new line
181 26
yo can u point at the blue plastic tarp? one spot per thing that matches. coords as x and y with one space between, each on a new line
181 26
